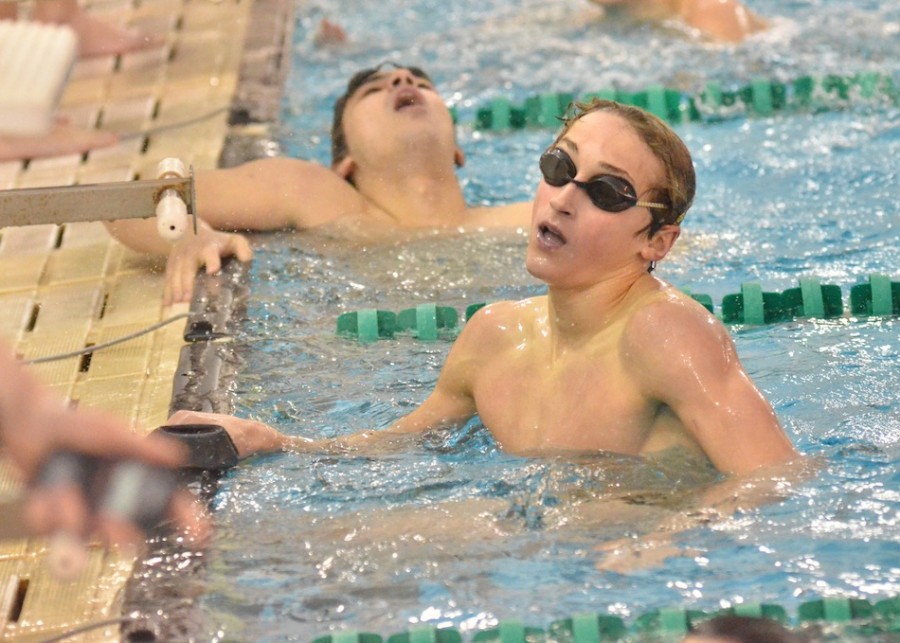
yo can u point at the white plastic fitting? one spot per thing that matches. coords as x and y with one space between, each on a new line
171 210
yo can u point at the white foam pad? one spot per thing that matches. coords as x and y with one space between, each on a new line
35 61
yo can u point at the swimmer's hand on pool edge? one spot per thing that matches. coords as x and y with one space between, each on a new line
249 436
184 257
193 252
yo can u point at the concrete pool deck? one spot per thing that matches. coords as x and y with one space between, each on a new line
216 80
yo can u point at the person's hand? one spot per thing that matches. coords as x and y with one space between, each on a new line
192 252
64 509
625 555
649 550
35 424
116 501
249 437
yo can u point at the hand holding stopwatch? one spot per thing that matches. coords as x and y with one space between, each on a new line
113 490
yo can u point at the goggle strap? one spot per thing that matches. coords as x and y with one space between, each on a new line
650 204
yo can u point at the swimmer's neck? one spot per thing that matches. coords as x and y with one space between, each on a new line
577 315
415 196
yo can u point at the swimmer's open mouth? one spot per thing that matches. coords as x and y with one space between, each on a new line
550 236
407 98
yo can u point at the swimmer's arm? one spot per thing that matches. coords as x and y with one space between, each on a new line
692 367
726 497
274 193
696 372
141 235
251 437
449 404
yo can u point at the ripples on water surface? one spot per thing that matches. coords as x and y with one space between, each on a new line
308 544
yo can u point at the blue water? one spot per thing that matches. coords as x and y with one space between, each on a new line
308 544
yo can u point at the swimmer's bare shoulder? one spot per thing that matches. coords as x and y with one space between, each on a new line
489 334
501 324
666 333
683 357
511 215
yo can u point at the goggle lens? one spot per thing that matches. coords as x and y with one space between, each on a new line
607 192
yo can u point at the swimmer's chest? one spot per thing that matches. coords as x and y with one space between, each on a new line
584 401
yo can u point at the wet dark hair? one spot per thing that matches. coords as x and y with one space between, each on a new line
680 179
338 138
747 629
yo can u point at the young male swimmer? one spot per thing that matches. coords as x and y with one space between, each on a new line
611 358
394 159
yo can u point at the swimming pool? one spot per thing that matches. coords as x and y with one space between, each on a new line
310 545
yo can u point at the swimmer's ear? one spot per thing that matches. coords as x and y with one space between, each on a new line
659 244
345 167
459 157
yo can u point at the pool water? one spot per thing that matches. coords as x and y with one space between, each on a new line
308 545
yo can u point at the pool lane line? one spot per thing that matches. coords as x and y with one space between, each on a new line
878 296
761 97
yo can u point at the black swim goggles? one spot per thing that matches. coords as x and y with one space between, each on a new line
608 192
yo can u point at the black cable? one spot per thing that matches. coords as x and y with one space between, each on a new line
96 347
163 128
88 628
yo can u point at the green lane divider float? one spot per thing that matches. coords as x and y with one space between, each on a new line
669 621
752 306
368 325
587 628
349 636
880 296
855 616
427 634
759 610
810 299
425 321
761 97
511 631
835 610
